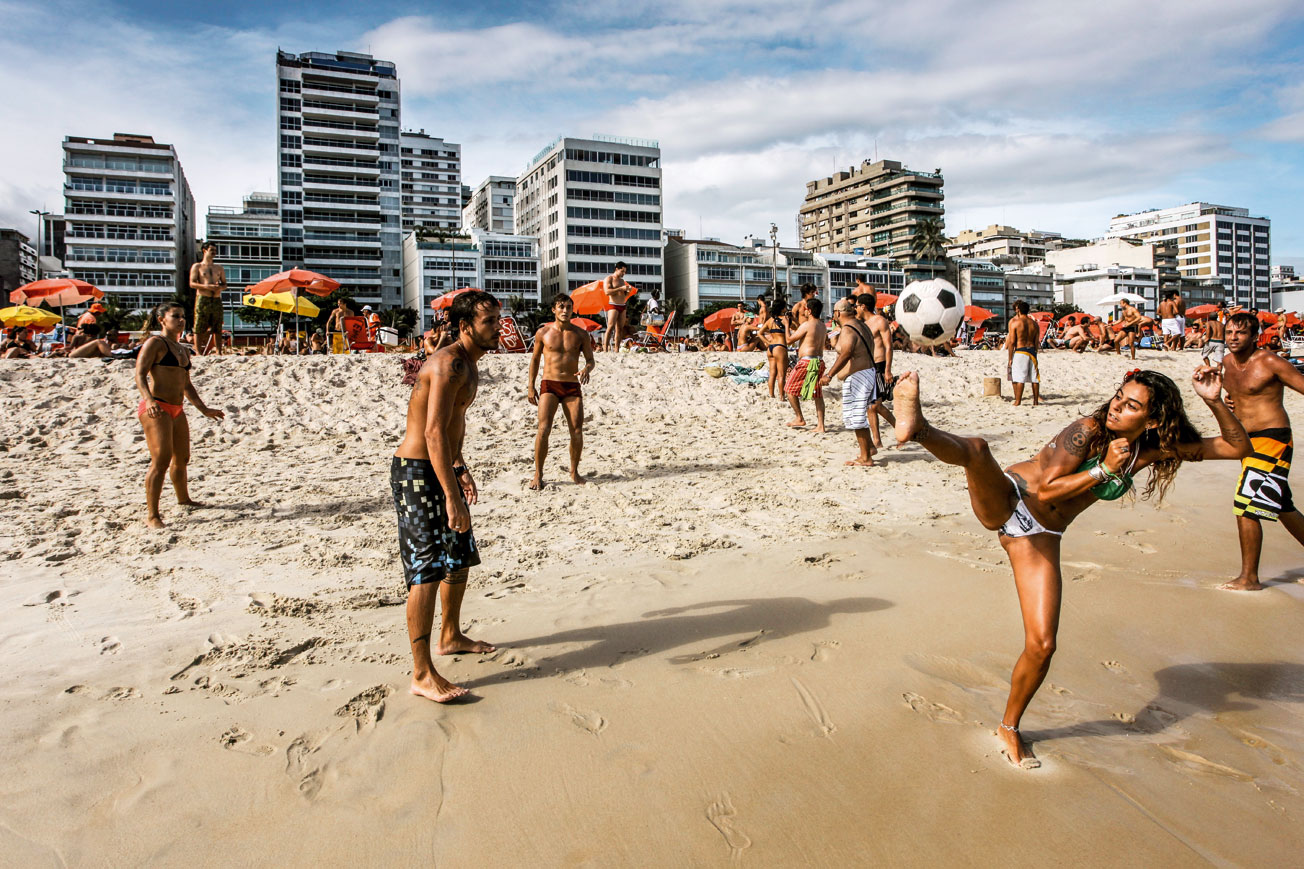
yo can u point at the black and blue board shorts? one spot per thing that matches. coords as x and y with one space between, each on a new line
429 549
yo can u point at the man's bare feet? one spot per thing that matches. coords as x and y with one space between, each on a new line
537 483
1242 583
819 430
437 688
192 503
1015 749
578 479
909 416
155 522
797 423
462 644
861 463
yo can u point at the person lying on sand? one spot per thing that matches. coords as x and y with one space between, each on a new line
1031 503
433 488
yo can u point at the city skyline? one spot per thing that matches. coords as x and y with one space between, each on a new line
1041 122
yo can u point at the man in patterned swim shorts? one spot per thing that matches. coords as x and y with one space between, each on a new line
433 489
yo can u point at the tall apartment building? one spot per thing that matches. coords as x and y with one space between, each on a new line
492 205
54 228
1214 242
592 202
872 210
503 264
338 124
17 262
432 182
248 240
1158 255
130 218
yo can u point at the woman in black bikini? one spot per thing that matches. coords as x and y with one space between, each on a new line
161 412
774 331
1031 503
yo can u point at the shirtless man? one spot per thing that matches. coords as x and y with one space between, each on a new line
855 365
1077 338
1255 380
335 323
1215 348
208 280
803 380
799 309
560 344
881 329
617 295
1021 342
1130 332
1168 322
432 489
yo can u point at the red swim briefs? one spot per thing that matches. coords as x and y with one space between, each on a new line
560 388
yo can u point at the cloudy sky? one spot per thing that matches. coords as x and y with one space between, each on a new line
1039 117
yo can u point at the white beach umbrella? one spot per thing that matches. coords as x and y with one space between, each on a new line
1121 297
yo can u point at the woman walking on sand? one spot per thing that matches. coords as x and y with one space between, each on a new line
774 332
161 412
1031 503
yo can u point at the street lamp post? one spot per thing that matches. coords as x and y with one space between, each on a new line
40 222
774 245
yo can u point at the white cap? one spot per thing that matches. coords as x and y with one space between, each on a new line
366 307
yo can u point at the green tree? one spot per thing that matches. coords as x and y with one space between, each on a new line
929 243
1063 309
402 320
444 239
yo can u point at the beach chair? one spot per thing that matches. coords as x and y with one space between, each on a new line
653 338
356 337
510 339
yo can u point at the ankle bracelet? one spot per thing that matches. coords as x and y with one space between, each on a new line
1008 727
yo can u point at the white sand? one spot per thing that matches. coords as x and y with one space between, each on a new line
727 647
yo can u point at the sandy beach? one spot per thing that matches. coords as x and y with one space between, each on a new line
727 649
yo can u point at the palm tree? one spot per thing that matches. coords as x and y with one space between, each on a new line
929 242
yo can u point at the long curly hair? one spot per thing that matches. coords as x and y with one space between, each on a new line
1172 429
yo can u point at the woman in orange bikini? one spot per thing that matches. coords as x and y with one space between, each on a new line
161 411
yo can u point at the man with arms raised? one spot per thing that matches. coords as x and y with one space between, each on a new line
803 380
432 489
1255 381
855 364
208 280
881 329
560 344
1022 344
617 296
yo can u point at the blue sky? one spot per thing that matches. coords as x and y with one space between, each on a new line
1040 118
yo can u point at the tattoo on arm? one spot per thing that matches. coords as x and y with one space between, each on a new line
1076 439
458 367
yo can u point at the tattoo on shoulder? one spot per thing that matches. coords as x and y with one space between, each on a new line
458 367
1076 438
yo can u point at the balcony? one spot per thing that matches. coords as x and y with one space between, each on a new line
339 203
346 129
347 111
339 147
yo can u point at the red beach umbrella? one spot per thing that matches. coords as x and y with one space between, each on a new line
1293 319
1199 312
1267 318
442 302
55 292
885 299
1042 315
586 324
592 298
720 320
975 314
293 281
1076 318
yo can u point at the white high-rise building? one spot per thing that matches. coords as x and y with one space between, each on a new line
338 125
500 263
248 242
591 203
130 218
492 205
1214 242
432 182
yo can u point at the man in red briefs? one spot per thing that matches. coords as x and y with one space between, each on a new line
560 344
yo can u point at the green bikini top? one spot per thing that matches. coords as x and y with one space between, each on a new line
1117 485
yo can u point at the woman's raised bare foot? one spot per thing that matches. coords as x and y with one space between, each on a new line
1015 749
1241 583
909 416
461 645
437 688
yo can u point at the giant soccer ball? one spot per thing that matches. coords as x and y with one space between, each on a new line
930 311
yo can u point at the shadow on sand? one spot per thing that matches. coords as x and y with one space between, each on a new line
659 631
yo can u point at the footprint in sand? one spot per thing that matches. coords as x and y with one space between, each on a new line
121 693
589 722
1253 740
110 645
366 708
45 597
823 650
298 757
930 710
1114 667
721 814
815 709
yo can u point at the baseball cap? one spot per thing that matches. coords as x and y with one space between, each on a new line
366 307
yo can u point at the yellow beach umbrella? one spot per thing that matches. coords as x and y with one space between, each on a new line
26 315
286 303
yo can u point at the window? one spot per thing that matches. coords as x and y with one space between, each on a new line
613 214
291 197
289 104
293 143
291 123
289 86
292 160
291 179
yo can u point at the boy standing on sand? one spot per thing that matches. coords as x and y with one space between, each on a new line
803 380
560 344
1255 381
432 489
617 296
